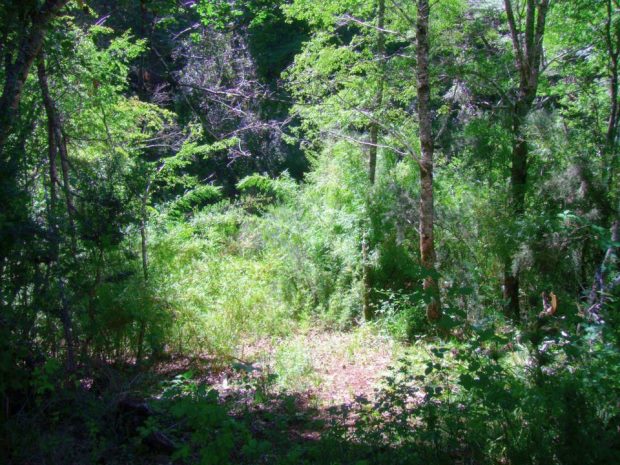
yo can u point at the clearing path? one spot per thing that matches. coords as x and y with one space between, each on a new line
333 367
299 397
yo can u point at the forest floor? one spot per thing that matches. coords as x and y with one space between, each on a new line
333 367
292 399
290 391
329 368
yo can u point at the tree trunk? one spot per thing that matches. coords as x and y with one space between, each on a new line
612 40
612 127
17 72
372 157
66 183
427 212
519 159
366 282
145 267
53 147
378 100
518 185
528 47
60 143
143 242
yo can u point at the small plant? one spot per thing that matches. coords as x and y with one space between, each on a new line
294 367
402 314
214 434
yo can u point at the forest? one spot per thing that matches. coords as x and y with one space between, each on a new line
300 232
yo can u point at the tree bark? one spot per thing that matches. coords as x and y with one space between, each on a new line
518 186
372 156
143 242
53 148
60 144
427 211
145 262
528 54
378 100
17 72
66 183
612 41
366 281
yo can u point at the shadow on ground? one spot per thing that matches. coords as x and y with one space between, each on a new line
174 415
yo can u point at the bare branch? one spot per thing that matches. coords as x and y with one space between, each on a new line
516 42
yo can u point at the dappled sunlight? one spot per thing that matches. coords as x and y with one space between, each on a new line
301 232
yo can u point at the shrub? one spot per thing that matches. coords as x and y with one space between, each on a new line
486 401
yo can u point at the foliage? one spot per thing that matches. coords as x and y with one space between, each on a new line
190 180
489 400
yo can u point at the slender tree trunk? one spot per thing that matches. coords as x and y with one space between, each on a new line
372 156
53 148
612 126
427 210
66 183
16 72
612 130
612 40
518 185
528 48
143 242
52 151
366 281
60 143
145 266
372 152
378 100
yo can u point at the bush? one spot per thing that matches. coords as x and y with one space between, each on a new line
220 292
487 401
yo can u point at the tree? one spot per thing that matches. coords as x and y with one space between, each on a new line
22 30
372 151
345 94
589 37
21 55
427 208
56 144
374 126
528 51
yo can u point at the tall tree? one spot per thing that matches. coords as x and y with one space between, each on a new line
528 51
374 126
22 30
20 58
427 209
372 149
56 144
612 44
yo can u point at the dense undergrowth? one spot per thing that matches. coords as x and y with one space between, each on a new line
474 400
283 257
210 233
